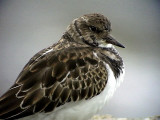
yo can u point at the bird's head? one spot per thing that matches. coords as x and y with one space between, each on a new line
92 29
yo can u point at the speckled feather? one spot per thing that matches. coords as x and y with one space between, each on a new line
68 71
63 76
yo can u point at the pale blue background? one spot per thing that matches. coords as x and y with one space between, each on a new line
27 26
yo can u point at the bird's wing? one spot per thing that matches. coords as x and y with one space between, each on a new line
53 78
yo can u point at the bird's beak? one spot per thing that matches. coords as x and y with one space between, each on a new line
111 40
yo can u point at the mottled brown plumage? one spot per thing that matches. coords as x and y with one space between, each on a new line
72 70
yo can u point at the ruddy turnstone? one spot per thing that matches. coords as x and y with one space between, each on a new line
70 80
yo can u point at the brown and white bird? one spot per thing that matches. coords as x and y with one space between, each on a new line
70 80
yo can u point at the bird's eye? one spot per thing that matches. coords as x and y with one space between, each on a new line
94 29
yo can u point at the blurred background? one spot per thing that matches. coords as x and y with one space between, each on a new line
27 26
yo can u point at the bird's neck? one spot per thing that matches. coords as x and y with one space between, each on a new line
67 41
111 57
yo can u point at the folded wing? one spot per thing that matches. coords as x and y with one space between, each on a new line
53 78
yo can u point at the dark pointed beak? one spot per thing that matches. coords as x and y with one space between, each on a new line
113 41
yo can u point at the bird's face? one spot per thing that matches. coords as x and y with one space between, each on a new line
94 30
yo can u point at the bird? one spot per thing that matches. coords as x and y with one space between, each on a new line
70 80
